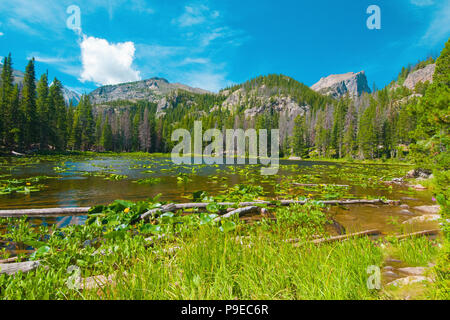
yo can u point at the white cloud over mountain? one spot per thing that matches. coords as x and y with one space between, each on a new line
107 63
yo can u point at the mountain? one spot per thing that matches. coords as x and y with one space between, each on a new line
338 85
422 75
69 95
153 90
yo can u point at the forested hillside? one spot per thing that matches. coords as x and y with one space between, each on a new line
383 124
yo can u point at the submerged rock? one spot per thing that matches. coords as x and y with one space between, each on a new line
409 280
429 209
413 271
424 218
407 212
418 187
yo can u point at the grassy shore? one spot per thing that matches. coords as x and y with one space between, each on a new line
201 259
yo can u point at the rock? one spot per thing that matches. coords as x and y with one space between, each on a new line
409 199
424 218
390 261
404 206
96 282
418 187
407 212
390 274
397 180
421 75
418 173
413 271
338 85
409 280
388 268
429 209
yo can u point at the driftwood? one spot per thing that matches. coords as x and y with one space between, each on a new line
13 268
419 234
317 185
181 206
43 212
239 212
9 260
344 237
163 209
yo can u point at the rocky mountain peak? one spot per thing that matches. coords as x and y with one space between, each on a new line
421 75
338 85
153 90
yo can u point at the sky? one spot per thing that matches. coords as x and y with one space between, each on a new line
214 44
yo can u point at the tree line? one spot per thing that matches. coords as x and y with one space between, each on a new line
34 116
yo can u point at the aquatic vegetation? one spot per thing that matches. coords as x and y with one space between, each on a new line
309 217
148 181
116 177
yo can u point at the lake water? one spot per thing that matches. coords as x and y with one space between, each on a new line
81 181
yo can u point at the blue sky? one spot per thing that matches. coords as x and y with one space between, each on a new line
212 44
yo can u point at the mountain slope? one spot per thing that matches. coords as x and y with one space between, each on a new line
69 95
153 90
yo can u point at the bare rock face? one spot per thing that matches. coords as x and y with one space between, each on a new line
338 85
421 75
154 90
71 96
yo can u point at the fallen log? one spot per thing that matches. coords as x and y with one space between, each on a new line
239 212
183 206
344 237
43 212
163 209
9 260
13 268
419 234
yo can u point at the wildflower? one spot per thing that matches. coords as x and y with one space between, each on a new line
126 210
310 195
434 199
28 184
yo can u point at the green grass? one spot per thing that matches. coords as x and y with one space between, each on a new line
201 259
212 266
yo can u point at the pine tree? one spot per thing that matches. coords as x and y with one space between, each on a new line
43 112
367 138
298 140
14 118
106 140
58 116
6 91
28 106
349 140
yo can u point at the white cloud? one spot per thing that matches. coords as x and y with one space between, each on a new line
422 3
194 15
107 63
439 28
47 60
194 61
1 34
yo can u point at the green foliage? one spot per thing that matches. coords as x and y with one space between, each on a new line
309 217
